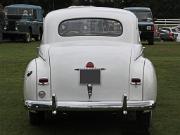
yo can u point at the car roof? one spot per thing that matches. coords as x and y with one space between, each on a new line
24 6
54 18
79 10
138 8
94 9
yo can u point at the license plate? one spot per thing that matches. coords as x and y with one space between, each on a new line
90 76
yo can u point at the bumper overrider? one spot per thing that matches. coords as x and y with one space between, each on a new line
124 106
14 33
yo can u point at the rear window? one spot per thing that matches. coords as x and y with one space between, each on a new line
166 29
90 27
18 11
143 16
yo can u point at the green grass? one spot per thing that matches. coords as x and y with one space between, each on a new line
13 117
13 60
166 59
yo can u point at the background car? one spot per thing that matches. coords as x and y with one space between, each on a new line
2 22
168 34
178 37
156 33
176 31
23 22
145 23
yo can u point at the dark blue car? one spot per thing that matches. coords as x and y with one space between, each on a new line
145 23
23 21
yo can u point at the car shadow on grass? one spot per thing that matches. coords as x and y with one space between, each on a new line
85 124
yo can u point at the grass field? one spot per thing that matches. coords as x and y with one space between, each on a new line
13 117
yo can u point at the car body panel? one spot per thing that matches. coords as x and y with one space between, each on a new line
149 82
127 79
30 81
64 60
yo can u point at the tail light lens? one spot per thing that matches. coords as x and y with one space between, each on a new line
43 81
136 81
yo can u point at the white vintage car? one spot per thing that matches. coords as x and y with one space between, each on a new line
90 59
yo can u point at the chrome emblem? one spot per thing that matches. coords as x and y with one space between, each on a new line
89 88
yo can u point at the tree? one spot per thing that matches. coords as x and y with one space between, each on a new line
160 8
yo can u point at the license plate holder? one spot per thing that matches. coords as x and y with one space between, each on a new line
90 76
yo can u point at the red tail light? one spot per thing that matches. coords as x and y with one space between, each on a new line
136 81
43 81
89 65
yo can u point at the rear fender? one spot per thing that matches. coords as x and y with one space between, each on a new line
150 82
30 81
36 69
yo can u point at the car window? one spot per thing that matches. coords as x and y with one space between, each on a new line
166 29
143 16
90 27
34 13
174 30
18 13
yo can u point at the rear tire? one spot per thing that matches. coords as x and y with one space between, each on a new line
144 120
36 118
28 37
39 36
13 39
151 42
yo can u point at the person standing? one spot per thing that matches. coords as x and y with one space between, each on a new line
2 21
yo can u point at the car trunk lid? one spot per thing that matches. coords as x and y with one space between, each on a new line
112 62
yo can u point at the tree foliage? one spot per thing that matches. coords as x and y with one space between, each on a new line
160 8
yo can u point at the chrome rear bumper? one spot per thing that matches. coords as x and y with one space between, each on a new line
89 105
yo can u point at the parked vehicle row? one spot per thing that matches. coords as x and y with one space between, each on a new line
168 33
23 21
149 31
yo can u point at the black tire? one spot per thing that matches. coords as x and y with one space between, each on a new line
39 36
36 118
13 39
28 37
151 42
144 120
